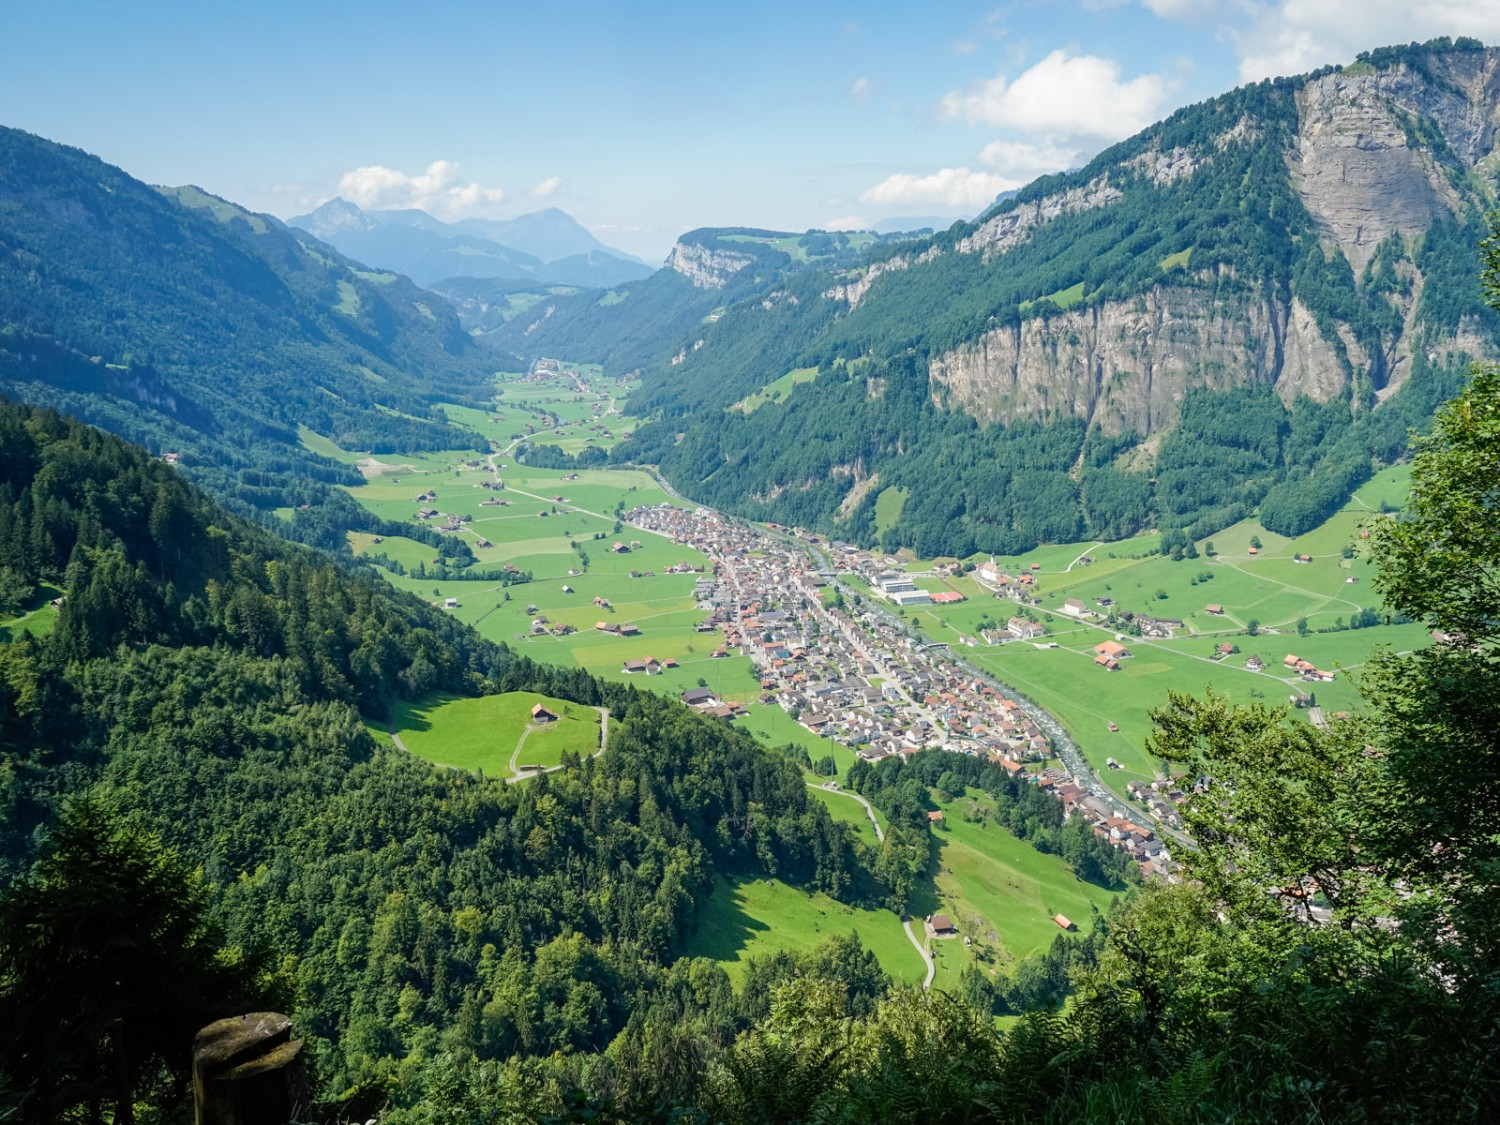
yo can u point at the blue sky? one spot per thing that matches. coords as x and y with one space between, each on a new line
647 119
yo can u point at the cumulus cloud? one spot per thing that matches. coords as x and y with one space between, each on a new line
1293 36
552 185
846 222
437 191
1078 95
1025 160
947 187
861 88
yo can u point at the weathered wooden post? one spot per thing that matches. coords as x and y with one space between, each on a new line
243 1069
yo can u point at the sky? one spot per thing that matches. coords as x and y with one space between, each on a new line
644 120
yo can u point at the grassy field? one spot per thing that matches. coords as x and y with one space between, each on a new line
848 811
482 733
755 917
1270 589
777 391
888 506
1000 891
39 619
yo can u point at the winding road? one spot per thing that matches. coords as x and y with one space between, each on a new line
880 836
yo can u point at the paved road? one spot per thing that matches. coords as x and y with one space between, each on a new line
869 812
922 950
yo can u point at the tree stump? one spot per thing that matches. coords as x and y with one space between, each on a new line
243 1069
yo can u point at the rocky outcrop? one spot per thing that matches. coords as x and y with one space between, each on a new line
1360 161
997 235
853 291
706 268
1126 365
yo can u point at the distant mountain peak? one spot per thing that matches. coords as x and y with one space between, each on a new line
548 245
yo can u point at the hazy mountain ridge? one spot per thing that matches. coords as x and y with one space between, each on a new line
548 246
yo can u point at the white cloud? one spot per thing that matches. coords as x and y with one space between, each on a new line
861 89
1080 95
1182 9
1293 36
552 185
846 222
947 187
1024 160
437 191
964 47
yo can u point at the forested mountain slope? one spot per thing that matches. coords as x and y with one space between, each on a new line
207 680
187 324
645 325
1298 256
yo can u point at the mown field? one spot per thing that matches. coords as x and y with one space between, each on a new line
748 918
1000 891
483 733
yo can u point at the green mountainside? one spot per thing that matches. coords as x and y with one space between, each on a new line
1246 305
192 326
200 813
643 326
207 681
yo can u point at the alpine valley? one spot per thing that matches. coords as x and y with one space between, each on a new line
779 686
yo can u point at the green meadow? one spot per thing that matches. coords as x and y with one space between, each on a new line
1000 891
747 918
483 733
777 391
1269 589
562 528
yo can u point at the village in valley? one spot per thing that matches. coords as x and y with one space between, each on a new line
853 674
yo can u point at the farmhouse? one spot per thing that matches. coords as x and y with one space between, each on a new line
1022 629
1075 608
540 714
940 924
1112 649
1065 923
698 697
1214 610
